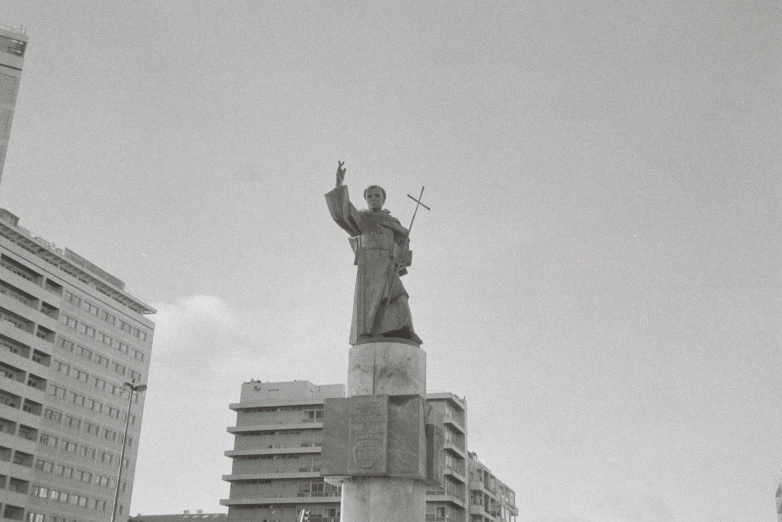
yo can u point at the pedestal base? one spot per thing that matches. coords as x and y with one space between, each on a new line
375 499
384 369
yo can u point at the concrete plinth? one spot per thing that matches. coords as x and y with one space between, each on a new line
378 499
385 368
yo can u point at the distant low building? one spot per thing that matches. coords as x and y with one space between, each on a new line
490 499
276 460
187 516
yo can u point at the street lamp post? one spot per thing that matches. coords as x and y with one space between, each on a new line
138 388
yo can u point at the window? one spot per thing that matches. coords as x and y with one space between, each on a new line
44 465
61 367
94 429
101 360
70 322
76 398
72 422
117 367
80 375
52 415
84 451
34 517
65 344
84 352
313 415
48 440
70 298
138 355
57 391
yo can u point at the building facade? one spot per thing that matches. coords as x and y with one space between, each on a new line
13 43
450 502
187 516
276 459
70 337
276 456
490 499
779 502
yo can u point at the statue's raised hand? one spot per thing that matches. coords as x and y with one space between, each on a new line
340 173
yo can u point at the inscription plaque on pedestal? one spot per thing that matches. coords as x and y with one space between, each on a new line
382 436
367 438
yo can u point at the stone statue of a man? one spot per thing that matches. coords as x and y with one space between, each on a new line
379 241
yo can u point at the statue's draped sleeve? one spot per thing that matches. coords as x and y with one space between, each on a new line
342 210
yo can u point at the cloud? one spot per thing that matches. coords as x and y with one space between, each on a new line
204 349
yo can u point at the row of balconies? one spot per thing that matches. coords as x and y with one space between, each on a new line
15 475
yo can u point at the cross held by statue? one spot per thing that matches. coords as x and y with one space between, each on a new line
407 255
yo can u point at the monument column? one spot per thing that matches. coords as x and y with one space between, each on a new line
385 368
382 443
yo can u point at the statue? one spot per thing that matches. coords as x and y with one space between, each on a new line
380 243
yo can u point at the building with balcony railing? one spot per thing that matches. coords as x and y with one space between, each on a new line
490 499
276 457
69 338
450 502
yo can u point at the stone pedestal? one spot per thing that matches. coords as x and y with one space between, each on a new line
385 368
382 499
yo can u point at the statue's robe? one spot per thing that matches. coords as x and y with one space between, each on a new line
380 305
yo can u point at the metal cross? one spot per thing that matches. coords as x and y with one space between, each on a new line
417 203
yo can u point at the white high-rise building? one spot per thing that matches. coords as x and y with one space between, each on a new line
13 43
71 336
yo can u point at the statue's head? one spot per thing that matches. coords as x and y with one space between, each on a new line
375 197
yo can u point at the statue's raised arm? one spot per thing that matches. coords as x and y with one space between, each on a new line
380 308
340 173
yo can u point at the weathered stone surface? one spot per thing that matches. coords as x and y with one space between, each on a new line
368 436
378 499
386 368
375 435
435 440
407 437
336 430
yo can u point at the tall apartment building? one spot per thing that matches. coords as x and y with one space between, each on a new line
70 337
276 455
276 458
13 43
450 502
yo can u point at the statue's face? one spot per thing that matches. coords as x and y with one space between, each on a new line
374 199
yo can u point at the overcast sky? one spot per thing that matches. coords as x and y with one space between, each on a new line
599 275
